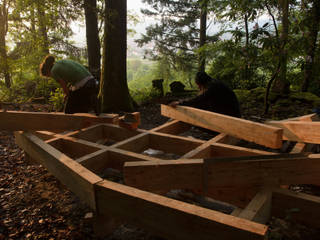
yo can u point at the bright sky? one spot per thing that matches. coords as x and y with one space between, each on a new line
133 6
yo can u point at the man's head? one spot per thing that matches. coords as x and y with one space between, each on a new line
202 80
46 65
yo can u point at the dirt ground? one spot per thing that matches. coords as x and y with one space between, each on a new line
34 205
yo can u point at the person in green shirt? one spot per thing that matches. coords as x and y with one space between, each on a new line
78 84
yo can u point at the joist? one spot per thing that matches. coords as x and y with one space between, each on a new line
208 175
41 121
172 127
171 218
262 134
77 178
259 209
299 131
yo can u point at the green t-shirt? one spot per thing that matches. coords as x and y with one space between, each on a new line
70 71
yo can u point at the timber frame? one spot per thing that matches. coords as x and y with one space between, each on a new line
248 179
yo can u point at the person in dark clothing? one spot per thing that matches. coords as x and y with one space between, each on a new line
78 84
215 97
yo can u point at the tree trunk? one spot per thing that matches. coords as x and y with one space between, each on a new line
92 34
246 70
203 35
311 46
4 66
114 92
43 28
281 84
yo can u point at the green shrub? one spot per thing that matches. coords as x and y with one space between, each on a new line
57 99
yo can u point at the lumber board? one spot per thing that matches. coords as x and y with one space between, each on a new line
111 158
41 121
213 149
171 218
259 209
173 144
172 127
77 178
299 131
162 176
259 133
211 176
73 148
294 206
137 144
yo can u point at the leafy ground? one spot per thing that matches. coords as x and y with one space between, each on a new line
34 205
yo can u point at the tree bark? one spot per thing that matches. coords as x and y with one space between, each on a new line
203 35
43 28
4 66
281 84
114 92
246 70
92 34
311 46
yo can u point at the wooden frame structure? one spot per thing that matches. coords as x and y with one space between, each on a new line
249 179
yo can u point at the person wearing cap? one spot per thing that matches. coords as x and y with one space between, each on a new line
78 84
214 96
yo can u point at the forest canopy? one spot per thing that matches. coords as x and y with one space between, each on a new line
247 44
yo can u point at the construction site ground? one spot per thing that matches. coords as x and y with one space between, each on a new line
34 205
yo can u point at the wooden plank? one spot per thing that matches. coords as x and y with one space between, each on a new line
163 176
300 207
213 149
299 131
111 158
77 178
173 144
259 209
37 121
170 218
309 118
271 170
244 129
137 144
173 127
73 148
223 175
110 132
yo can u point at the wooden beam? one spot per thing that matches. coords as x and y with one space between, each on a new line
111 158
299 131
37 121
170 218
209 177
173 127
212 149
259 209
77 178
110 132
173 144
251 131
137 144
73 148
299 207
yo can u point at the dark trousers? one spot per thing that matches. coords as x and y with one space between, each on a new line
84 99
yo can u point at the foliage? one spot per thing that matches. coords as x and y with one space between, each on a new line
57 99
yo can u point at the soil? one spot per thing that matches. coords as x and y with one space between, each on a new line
34 205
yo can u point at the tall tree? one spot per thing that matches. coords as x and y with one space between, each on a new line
92 34
176 33
312 23
4 66
114 92
203 34
281 84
